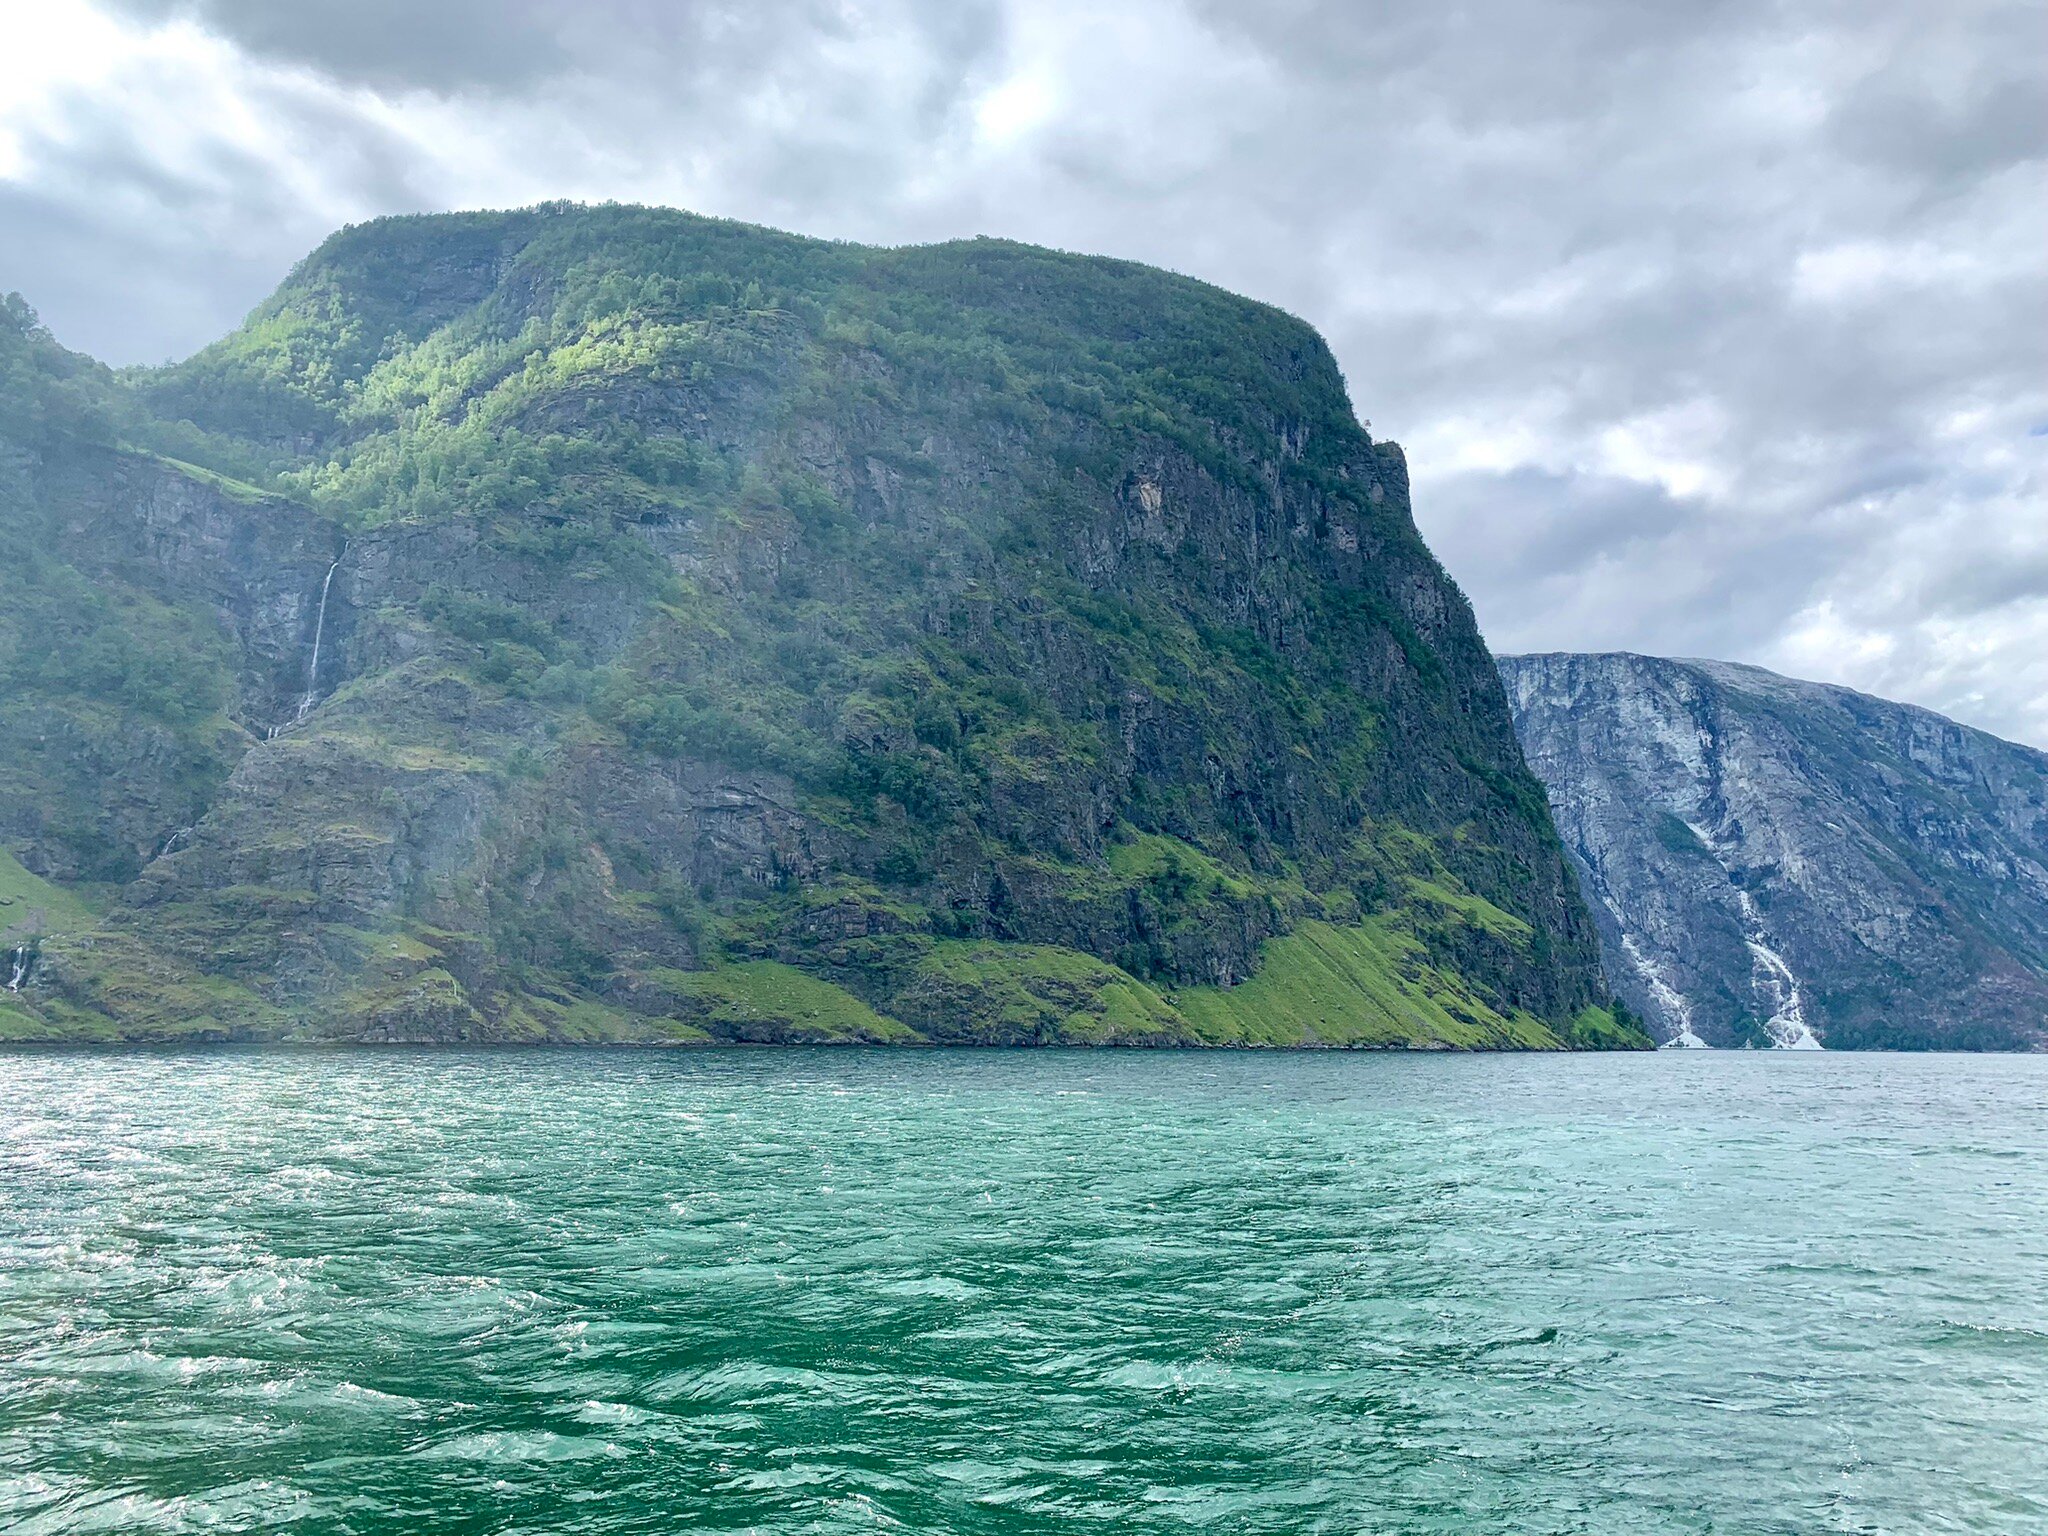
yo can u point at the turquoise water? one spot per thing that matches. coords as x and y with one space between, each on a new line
989 1292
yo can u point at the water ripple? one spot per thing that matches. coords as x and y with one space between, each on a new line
1015 1292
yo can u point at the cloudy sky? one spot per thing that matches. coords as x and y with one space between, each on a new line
1716 328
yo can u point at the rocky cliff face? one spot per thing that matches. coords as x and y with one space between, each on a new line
1775 862
616 624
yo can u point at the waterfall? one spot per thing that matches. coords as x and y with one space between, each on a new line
312 693
20 969
1787 1026
1673 1001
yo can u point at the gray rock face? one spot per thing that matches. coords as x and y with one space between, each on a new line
1774 862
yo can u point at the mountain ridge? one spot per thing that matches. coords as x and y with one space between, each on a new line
610 623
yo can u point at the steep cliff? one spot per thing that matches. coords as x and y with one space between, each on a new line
1779 862
610 623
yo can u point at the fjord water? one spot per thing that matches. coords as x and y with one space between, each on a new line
989 1292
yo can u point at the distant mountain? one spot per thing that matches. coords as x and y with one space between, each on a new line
607 623
1781 862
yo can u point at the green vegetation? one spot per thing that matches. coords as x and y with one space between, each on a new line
118 988
751 637
102 677
1607 1029
1366 985
1675 837
761 1000
33 907
1034 994
1175 866
1477 911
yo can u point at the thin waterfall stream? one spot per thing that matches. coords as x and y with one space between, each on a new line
312 694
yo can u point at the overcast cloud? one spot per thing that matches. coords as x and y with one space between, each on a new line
1710 329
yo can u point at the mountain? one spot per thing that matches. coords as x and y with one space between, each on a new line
1780 862
609 623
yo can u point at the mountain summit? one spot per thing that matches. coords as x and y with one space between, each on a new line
609 623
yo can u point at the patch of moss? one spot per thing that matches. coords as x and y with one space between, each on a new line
1367 985
433 1004
1148 855
110 985
765 1000
1474 910
227 485
1599 1029
32 906
985 993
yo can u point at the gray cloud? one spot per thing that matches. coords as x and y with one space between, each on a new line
451 45
462 45
1713 329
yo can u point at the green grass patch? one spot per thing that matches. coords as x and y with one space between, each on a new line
574 1021
765 1000
19 1022
1597 1029
227 485
1675 837
32 906
988 993
1476 911
1149 855
423 1005
114 987
1354 986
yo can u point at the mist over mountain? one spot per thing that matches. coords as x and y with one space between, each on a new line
1780 862
609 623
